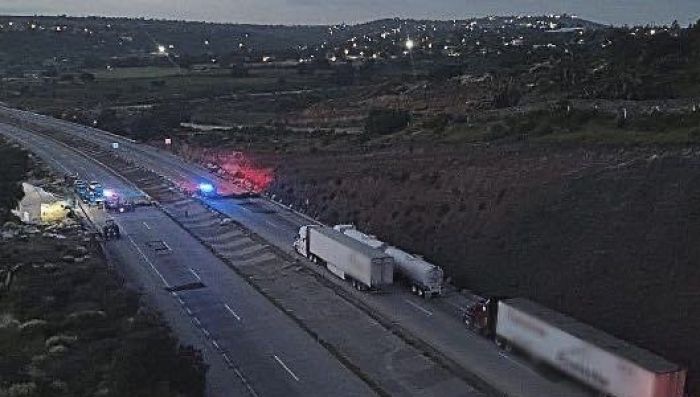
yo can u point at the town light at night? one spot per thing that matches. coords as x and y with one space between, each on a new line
410 44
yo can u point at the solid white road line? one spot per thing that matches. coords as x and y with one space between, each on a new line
148 261
296 378
419 307
195 274
232 312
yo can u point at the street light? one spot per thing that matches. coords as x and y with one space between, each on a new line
410 44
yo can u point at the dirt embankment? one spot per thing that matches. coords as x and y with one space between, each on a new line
607 235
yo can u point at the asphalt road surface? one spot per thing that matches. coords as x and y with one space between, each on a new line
253 347
435 322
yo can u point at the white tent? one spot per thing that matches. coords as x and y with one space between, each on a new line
39 206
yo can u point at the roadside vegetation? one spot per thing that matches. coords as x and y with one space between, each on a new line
14 164
68 325
557 125
386 121
70 328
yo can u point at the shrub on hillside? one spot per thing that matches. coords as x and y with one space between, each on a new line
386 121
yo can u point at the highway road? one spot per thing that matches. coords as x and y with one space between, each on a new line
435 323
253 347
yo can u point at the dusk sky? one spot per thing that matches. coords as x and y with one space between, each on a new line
351 11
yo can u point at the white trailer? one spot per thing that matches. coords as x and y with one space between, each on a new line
607 364
425 278
349 259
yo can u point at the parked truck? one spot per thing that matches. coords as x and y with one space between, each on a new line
607 364
365 267
424 278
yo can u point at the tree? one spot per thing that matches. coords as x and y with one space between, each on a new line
386 121
507 95
159 122
345 74
239 70
14 164
109 121
87 77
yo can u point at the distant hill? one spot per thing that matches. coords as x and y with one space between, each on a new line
31 41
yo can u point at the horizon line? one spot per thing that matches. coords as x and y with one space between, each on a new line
166 19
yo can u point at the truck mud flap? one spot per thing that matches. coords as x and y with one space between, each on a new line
336 271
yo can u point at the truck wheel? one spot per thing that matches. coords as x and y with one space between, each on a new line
503 344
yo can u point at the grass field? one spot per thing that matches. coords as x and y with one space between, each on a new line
145 85
581 127
148 72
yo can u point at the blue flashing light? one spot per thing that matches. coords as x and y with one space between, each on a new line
206 188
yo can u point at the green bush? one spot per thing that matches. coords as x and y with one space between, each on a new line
386 121
437 123
90 338
497 131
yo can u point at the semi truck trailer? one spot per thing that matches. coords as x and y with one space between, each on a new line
424 278
365 267
603 362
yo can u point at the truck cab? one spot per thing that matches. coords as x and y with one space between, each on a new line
480 316
300 244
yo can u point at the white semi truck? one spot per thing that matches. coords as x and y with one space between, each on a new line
349 259
607 364
425 278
